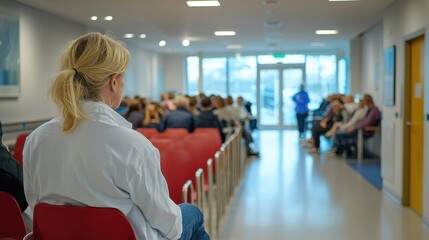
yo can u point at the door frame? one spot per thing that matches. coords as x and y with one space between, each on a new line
280 67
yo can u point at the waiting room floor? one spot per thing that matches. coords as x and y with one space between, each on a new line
288 193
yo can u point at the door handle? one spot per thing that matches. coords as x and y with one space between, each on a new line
408 123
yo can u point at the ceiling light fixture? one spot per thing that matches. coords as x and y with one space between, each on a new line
224 33
142 35
162 43
326 32
318 44
129 35
93 18
234 46
185 42
203 3
344 0
108 18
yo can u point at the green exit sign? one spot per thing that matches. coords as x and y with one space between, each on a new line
278 55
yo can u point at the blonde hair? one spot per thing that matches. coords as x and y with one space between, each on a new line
181 101
86 67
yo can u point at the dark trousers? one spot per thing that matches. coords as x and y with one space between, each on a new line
344 140
318 130
300 117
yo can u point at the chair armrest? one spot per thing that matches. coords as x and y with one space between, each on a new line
372 128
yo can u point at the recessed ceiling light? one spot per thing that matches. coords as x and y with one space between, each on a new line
93 18
129 35
344 0
224 33
326 32
234 46
185 42
162 43
318 44
108 18
203 3
142 35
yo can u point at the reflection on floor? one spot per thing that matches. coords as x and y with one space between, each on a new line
288 193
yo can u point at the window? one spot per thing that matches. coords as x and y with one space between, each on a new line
321 78
242 79
342 76
214 76
193 72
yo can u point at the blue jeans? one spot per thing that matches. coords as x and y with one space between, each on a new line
192 221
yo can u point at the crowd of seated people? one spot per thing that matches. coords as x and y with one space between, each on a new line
190 112
341 121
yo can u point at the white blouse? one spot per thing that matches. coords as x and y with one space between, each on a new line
102 163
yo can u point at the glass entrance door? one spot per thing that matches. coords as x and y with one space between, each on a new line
277 84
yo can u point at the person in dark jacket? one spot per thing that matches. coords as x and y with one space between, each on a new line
11 180
207 119
180 117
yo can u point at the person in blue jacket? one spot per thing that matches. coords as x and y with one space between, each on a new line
301 100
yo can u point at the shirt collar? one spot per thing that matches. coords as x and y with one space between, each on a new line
100 111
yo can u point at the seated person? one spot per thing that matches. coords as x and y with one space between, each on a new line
180 117
357 116
11 175
90 155
207 119
372 118
152 117
134 115
336 114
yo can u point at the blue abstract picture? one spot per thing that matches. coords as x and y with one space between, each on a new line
9 55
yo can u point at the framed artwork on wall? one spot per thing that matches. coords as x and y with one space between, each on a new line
389 69
9 55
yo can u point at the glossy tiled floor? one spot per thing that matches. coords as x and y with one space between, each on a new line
290 194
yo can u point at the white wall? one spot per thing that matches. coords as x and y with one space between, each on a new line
175 76
145 75
42 40
402 20
355 66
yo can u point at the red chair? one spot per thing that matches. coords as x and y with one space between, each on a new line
11 223
53 222
176 133
177 168
19 147
147 132
161 144
214 132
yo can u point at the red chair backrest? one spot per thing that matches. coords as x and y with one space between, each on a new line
53 222
214 132
19 147
176 133
11 222
177 168
147 132
211 146
161 144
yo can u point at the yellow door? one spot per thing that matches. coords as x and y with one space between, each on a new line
416 126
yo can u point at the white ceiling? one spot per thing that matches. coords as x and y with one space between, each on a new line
173 21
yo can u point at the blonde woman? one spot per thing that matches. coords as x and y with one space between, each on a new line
90 156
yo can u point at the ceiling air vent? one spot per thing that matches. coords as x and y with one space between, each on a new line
272 24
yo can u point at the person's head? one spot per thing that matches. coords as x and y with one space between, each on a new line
302 87
348 98
92 69
220 102
337 105
369 102
206 103
229 101
240 100
192 101
361 103
181 102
